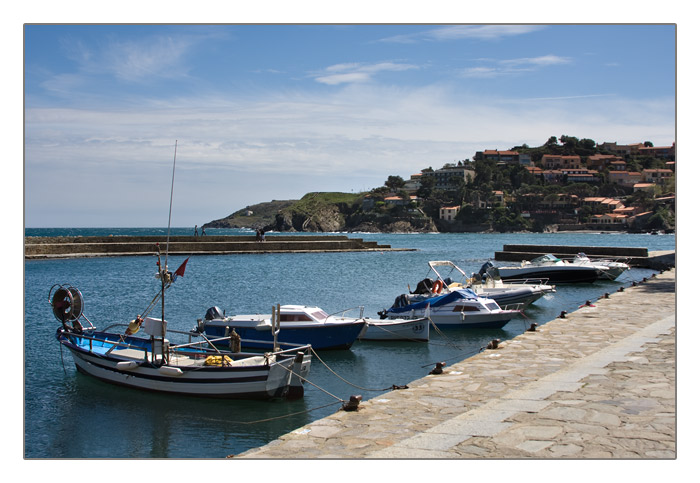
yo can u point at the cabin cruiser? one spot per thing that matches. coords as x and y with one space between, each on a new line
457 308
298 323
552 269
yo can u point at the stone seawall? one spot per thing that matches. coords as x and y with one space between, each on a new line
70 247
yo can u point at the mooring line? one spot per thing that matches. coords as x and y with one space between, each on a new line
350 383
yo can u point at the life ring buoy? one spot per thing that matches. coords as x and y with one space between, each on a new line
437 287
67 305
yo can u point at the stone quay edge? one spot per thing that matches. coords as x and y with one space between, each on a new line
597 384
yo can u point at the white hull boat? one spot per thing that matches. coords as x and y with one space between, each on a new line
551 268
459 308
485 284
412 330
190 368
129 362
607 269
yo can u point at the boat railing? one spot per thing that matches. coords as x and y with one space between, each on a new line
342 313
518 307
212 343
526 281
114 343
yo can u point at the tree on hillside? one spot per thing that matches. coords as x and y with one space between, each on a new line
427 185
394 183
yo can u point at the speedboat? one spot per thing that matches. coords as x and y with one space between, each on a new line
607 269
551 268
299 324
458 308
189 368
487 283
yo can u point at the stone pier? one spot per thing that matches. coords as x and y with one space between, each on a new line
93 246
599 383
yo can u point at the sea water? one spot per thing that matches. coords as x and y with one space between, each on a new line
71 415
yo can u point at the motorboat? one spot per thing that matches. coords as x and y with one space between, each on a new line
458 308
551 268
299 324
607 269
487 283
154 363
410 330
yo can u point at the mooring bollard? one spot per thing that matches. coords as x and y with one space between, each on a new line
353 404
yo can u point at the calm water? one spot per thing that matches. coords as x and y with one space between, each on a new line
69 415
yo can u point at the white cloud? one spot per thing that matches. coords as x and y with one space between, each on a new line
356 72
460 32
233 152
542 61
156 56
513 66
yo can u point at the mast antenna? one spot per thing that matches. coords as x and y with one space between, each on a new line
170 213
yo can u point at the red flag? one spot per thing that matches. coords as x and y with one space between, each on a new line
180 272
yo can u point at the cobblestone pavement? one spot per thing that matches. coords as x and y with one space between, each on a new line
599 384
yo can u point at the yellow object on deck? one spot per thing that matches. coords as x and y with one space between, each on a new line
218 361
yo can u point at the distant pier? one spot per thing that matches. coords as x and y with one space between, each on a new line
634 256
103 246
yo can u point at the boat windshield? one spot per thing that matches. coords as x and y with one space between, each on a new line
545 258
319 315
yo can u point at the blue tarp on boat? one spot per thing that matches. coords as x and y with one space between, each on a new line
436 301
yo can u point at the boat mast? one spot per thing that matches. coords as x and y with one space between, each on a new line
170 213
164 269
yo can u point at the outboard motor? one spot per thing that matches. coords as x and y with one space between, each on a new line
485 268
401 301
214 313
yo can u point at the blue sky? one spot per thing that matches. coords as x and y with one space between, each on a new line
264 112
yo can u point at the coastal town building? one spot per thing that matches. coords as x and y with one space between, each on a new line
648 187
602 205
599 162
449 213
555 161
610 219
445 176
657 176
624 178
622 149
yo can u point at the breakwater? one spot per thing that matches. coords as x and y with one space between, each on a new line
634 256
599 383
100 246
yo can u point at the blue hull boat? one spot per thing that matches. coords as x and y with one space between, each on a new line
298 324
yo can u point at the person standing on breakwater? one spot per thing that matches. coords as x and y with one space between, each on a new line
196 233
203 231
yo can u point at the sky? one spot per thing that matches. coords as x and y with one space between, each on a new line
263 112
